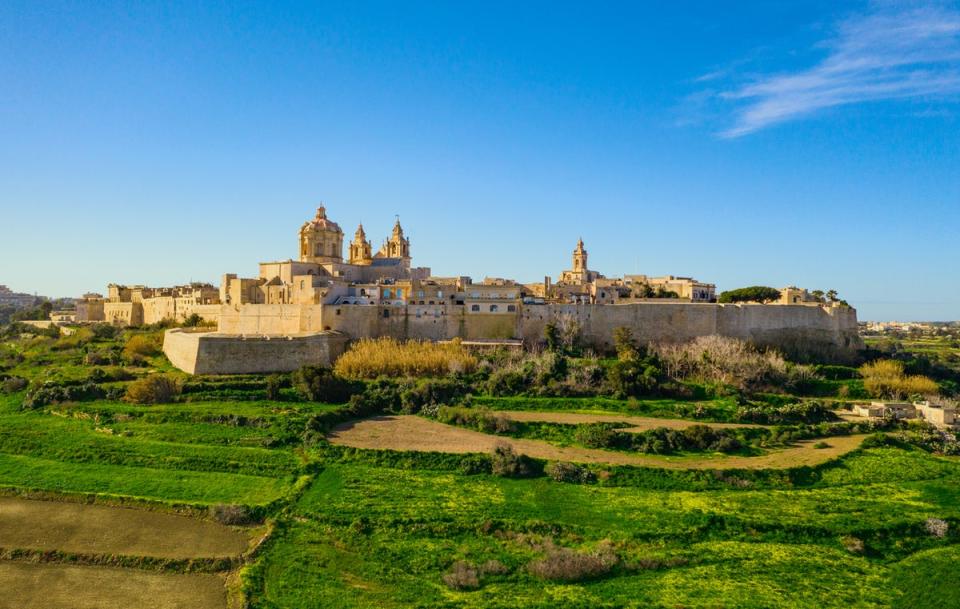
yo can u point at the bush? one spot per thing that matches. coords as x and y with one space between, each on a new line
142 345
231 514
14 384
565 564
371 358
596 435
431 392
104 331
153 389
319 384
462 576
937 528
508 464
275 383
887 379
54 393
562 471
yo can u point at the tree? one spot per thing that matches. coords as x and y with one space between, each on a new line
832 295
818 294
756 293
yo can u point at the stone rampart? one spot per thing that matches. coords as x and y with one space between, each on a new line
218 353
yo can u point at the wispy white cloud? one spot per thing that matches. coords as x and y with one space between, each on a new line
889 53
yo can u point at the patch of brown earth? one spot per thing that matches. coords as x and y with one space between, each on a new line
408 432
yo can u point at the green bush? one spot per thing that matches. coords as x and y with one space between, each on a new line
320 384
509 464
562 471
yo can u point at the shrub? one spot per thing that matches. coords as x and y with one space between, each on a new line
472 465
431 392
821 444
14 384
276 382
937 527
53 393
153 389
319 384
562 471
462 576
724 361
141 345
887 379
104 331
231 514
595 435
852 544
493 567
370 358
565 564
508 464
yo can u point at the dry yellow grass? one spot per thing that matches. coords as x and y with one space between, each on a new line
887 379
370 358
53 586
409 432
99 529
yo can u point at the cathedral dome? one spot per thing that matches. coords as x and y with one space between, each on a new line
321 222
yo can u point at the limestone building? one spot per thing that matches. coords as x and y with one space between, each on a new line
294 310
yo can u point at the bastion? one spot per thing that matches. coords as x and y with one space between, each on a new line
217 353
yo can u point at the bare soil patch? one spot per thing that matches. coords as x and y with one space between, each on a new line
408 432
631 423
102 529
51 586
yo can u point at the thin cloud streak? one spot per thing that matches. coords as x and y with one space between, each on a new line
883 55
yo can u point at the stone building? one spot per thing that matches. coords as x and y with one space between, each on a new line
310 306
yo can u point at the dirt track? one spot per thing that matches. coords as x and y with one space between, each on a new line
104 529
407 432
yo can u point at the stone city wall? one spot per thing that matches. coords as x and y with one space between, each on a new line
216 353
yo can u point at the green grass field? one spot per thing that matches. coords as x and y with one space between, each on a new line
374 528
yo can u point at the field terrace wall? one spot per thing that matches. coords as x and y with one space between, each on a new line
216 353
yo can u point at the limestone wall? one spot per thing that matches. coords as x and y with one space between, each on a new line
796 329
216 353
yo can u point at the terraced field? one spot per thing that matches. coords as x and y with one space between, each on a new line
79 528
27 586
407 432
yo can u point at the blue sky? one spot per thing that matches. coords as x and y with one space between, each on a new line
776 143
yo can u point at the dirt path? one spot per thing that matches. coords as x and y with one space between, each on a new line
408 432
102 529
633 424
53 586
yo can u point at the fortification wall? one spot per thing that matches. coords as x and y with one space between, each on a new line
795 329
217 353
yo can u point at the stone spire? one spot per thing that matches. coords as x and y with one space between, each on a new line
580 257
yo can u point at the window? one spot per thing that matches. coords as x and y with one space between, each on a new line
494 308
474 294
386 312
510 295
439 293
386 293
399 292
511 309
475 307
419 293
